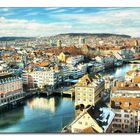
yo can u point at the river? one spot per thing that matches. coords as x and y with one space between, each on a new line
46 114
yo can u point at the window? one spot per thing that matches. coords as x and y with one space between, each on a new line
117 103
90 89
86 123
126 121
117 125
79 122
126 104
126 115
118 120
118 115
90 94
126 126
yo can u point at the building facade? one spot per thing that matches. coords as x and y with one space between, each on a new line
125 102
41 78
88 92
125 121
11 89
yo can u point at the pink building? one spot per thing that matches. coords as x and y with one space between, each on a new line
11 89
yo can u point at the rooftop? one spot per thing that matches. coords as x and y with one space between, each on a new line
102 114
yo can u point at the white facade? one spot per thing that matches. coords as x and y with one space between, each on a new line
75 59
42 78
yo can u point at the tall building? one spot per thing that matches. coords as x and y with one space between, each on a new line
51 43
24 59
59 43
82 41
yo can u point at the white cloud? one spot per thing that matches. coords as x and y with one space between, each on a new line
14 27
125 21
122 21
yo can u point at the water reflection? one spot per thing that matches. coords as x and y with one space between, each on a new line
43 103
120 71
39 114
15 115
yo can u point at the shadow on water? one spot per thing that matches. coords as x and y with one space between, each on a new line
11 117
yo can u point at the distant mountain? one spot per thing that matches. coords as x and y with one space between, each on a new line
96 34
14 38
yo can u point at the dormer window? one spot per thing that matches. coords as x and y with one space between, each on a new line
126 104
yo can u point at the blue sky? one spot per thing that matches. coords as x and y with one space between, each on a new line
51 21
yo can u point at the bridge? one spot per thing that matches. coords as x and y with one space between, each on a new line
66 91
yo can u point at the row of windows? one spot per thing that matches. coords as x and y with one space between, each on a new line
119 115
12 98
85 88
119 125
84 94
85 100
126 104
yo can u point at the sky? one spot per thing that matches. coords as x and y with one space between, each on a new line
36 22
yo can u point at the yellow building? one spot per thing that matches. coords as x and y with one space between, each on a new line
63 56
88 91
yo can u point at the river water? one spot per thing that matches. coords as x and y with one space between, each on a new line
46 114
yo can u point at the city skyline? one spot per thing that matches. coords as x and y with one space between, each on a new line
35 22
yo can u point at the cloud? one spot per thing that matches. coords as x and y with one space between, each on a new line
64 20
15 27
124 21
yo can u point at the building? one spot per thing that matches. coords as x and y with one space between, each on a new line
41 78
88 91
108 60
11 89
95 119
126 94
59 43
125 102
63 56
82 41
73 60
125 121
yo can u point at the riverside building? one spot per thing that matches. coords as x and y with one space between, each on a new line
88 91
41 78
125 102
11 89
